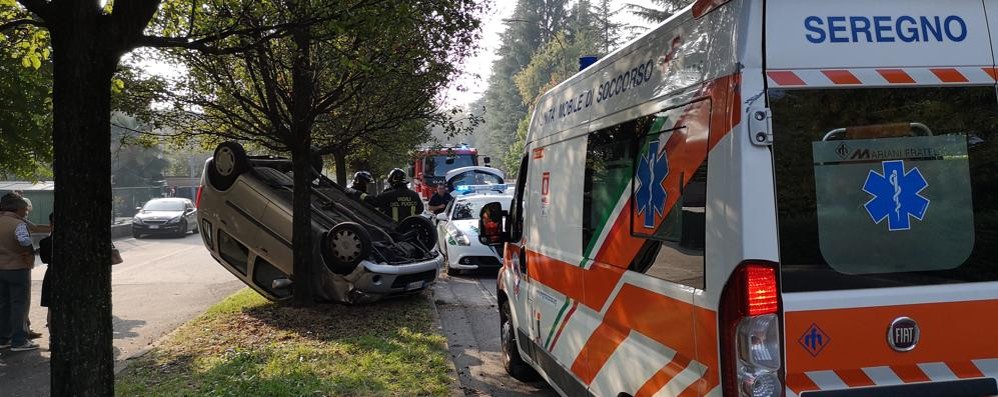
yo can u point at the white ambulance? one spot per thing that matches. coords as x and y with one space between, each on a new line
764 198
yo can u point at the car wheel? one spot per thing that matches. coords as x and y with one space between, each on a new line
227 163
197 229
511 360
344 246
182 229
136 235
421 227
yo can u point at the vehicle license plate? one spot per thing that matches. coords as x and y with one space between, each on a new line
414 285
154 226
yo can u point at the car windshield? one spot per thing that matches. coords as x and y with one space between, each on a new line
164 205
886 187
439 165
466 210
470 209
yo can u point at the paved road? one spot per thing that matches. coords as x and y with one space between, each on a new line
468 313
163 283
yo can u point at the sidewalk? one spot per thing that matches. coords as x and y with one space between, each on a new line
163 283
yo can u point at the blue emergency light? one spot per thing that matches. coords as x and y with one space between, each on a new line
468 189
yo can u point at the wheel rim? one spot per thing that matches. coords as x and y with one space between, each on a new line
225 161
346 246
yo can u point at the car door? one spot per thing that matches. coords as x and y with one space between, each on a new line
442 227
191 215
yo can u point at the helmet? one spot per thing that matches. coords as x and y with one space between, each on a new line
396 177
362 177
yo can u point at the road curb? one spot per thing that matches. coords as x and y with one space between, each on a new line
455 381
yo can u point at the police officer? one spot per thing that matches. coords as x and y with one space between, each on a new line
398 201
358 187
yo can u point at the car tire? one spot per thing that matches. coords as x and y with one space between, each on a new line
345 246
197 229
226 164
136 235
426 233
182 230
511 360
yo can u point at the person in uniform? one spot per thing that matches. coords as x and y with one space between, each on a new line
358 187
397 201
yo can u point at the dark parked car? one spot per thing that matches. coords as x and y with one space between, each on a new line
174 216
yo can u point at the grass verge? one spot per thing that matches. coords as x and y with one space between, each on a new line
247 346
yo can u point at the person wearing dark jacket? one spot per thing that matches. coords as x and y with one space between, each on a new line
397 201
358 187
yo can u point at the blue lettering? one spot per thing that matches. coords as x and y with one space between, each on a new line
861 25
927 28
910 33
949 29
813 25
837 24
649 67
883 25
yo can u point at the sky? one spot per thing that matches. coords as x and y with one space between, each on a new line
472 82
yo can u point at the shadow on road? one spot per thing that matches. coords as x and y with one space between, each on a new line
125 328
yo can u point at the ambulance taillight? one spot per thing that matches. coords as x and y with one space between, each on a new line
751 346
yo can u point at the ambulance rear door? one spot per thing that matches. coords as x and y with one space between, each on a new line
885 130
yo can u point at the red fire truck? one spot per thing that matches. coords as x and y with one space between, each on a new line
430 165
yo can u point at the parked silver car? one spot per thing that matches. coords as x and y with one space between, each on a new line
174 216
360 255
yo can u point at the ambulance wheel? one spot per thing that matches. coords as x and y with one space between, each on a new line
511 360
345 246
227 163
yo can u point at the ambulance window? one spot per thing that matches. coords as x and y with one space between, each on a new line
674 249
516 210
609 162
885 187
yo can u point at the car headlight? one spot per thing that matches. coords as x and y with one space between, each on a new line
458 237
174 220
137 221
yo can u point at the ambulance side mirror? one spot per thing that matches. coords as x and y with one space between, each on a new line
491 220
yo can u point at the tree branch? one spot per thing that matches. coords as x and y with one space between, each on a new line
22 22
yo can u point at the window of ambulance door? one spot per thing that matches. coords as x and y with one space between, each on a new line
516 210
617 159
886 187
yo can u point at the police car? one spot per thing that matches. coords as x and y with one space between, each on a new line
457 231
457 225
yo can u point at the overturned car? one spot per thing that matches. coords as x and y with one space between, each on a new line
360 255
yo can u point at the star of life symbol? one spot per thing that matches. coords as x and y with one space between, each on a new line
653 167
896 195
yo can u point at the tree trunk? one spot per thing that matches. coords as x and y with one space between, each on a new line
82 361
301 227
303 88
341 168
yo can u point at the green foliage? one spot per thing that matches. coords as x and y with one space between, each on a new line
26 120
663 9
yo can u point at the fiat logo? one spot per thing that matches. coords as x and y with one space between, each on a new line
902 335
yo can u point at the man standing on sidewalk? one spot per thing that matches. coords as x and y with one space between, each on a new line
16 260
